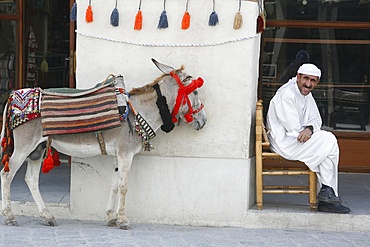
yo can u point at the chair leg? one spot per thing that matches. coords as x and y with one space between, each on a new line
312 191
259 184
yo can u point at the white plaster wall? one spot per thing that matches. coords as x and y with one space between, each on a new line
190 176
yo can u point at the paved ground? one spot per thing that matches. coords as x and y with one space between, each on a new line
31 232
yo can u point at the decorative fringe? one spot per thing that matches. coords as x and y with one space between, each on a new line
238 20
73 13
163 21
185 24
213 19
138 21
114 18
7 143
89 13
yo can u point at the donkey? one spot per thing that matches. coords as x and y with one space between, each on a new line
175 86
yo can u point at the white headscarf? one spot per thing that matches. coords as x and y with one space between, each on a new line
309 69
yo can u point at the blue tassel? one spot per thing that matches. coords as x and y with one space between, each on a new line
163 22
73 13
213 19
114 18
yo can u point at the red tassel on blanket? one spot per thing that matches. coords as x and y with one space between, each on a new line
56 158
48 163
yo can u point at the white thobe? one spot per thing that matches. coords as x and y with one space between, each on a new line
288 114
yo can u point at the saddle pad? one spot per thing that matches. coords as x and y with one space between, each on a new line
70 115
24 106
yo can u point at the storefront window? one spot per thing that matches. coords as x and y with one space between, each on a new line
343 54
8 7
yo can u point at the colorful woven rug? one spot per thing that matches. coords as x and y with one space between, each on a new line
24 106
76 113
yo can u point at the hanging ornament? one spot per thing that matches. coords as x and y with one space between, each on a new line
89 13
163 21
73 13
238 19
261 19
213 18
138 19
185 24
114 17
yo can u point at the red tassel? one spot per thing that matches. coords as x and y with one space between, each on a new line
48 163
3 142
89 14
138 21
6 167
5 159
260 24
56 158
185 24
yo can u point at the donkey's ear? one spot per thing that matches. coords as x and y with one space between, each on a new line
162 67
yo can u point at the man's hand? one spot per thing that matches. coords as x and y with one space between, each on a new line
304 135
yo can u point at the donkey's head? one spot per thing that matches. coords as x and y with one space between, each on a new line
187 105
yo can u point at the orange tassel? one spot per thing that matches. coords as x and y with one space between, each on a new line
6 167
138 21
185 24
89 14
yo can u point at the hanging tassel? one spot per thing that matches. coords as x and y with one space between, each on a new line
114 17
260 24
261 19
48 163
56 158
138 25
163 21
213 18
185 24
73 13
89 13
238 19
44 65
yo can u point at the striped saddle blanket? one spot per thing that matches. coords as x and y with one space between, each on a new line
87 111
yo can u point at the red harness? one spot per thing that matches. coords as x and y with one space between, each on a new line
182 98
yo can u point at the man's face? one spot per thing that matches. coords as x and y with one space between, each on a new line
306 83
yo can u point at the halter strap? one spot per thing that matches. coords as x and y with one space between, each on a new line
182 97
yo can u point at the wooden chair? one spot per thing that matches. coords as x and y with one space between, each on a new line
282 168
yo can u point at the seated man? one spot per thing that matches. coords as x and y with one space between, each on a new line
294 123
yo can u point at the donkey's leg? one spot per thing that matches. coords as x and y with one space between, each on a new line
124 165
112 202
32 180
6 179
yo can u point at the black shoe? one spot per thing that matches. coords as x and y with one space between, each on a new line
327 194
333 208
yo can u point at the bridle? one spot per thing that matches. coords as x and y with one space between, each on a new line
183 98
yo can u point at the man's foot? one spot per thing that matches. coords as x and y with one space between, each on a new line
327 194
333 208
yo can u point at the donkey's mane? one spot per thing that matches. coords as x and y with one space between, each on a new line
149 87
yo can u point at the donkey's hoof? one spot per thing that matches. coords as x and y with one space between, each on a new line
11 222
112 222
50 223
125 226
